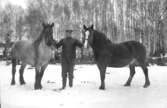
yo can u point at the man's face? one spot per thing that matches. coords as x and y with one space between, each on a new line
68 34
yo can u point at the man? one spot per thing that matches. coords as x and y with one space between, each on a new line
68 56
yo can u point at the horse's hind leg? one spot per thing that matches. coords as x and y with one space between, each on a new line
147 81
132 73
145 70
13 71
21 73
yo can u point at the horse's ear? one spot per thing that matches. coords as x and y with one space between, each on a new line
52 24
84 27
91 26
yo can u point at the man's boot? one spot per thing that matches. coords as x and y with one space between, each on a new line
70 82
64 82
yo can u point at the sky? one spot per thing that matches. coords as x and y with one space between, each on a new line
21 3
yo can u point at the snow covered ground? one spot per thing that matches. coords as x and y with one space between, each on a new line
85 93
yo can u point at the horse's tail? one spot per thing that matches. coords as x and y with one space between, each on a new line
13 51
147 61
13 59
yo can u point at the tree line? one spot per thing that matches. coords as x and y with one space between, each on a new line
120 20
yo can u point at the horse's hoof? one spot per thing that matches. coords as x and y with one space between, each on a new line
22 83
146 85
12 83
102 88
37 87
61 89
127 85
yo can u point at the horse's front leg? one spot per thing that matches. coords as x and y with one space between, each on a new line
42 72
37 84
38 76
102 69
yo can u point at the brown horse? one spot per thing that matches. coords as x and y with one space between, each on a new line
36 53
108 54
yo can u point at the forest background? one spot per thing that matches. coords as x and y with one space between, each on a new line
120 20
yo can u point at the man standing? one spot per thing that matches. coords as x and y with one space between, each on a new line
68 56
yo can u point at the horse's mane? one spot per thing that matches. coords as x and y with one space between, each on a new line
36 44
38 40
101 37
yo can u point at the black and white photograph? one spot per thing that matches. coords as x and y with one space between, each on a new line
83 53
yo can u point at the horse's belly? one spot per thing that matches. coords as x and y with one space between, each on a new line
120 62
26 58
24 54
29 60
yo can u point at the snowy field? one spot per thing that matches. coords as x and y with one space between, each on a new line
85 93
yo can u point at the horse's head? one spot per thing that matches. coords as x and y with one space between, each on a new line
48 33
88 33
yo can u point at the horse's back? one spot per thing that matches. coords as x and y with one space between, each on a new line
126 53
22 49
22 43
136 48
126 49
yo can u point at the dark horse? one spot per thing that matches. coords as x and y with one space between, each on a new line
108 54
36 53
